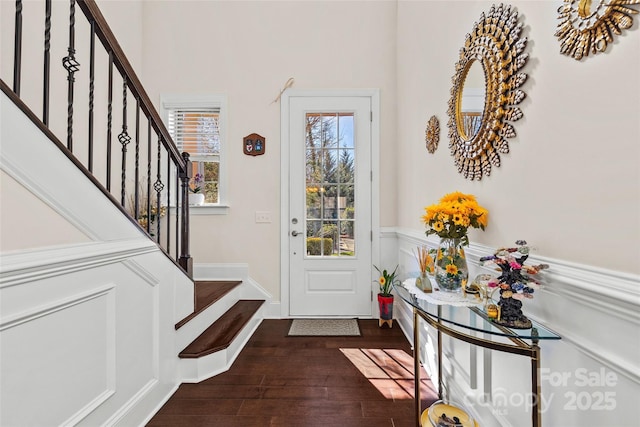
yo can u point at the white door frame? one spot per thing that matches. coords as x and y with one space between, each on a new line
374 94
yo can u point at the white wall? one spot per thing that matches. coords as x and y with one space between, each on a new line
45 226
570 185
248 50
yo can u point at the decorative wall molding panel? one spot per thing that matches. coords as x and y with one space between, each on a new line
49 344
25 266
91 342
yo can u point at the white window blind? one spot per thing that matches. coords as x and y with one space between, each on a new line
196 131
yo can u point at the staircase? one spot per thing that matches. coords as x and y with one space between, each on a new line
116 270
209 339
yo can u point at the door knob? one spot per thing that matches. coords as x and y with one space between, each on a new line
294 233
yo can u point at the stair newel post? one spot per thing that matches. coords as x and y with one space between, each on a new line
186 262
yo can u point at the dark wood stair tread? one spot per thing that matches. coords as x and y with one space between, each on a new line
222 332
205 294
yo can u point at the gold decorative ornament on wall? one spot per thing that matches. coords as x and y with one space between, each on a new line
477 136
586 29
432 134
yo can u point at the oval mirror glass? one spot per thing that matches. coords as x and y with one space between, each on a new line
472 101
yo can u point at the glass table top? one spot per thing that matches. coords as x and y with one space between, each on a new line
470 317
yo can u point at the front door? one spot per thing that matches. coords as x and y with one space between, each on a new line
330 221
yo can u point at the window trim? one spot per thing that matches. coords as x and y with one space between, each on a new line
219 101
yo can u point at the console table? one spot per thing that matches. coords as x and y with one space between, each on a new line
524 341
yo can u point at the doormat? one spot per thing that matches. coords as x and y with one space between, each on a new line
324 328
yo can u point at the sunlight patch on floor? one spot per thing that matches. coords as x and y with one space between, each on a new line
390 371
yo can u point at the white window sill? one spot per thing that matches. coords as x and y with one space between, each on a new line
208 209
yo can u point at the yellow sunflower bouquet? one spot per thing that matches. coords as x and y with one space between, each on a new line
453 215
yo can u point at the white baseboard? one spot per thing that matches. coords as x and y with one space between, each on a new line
232 271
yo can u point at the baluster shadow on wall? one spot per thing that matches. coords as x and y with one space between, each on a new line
91 99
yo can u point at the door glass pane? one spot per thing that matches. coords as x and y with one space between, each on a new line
314 201
330 196
345 124
330 202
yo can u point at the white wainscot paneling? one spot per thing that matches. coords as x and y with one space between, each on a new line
84 340
58 361
137 341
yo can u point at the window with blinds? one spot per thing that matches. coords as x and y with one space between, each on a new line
195 124
196 131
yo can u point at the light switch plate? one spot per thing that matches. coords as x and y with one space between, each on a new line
263 217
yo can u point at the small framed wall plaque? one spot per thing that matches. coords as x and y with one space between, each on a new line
254 145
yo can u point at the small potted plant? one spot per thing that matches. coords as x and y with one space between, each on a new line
196 196
385 297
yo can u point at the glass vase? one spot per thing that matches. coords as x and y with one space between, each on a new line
423 283
452 271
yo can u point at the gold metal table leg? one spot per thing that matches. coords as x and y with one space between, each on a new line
440 379
416 364
536 413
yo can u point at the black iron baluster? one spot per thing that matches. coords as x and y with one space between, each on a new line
177 182
109 119
148 192
47 63
72 66
158 186
124 139
92 66
168 248
137 167
17 49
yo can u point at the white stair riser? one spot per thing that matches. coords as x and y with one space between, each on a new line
199 369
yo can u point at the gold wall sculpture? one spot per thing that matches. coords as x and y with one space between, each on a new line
587 29
496 45
432 134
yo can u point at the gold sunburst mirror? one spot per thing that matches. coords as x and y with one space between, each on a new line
495 51
587 27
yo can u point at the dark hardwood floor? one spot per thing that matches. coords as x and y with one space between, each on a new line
305 382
